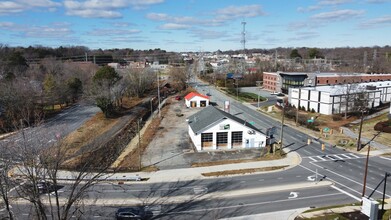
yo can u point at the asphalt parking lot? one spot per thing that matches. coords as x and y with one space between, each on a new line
171 147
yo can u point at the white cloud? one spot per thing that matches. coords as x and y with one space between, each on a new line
334 2
17 6
321 4
376 22
377 1
338 15
104 9
234 12
304 36
208 34
115 32
174 26
54 30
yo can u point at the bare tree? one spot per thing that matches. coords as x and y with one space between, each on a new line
139 81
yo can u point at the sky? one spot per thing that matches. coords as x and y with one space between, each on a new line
195 25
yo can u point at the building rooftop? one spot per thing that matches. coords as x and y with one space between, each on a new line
212 115
341 89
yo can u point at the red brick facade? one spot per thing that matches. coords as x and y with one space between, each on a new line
341 79
269 81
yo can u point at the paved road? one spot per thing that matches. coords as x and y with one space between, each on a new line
346 169
59 126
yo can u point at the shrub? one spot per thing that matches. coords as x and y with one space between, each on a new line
383 126
337 117
312 110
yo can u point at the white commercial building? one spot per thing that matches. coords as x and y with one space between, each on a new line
332 99
194 100
212 129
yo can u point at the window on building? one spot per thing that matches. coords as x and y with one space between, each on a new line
318 81
222 138
336 81
327 81
237 137
207 137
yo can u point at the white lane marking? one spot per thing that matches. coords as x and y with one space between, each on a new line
293 195
386 158
338 157
353 155
298 176
256 204
321 157
346 156
261 180
312 159
345 178
280 178
344 192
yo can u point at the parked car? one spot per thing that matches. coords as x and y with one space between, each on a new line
178 97
130 213
208 94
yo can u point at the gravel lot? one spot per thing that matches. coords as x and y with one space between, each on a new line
171 147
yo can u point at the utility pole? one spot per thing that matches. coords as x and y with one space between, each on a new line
158 92
366 172
282 126
384 189
259 90
139 144
359 132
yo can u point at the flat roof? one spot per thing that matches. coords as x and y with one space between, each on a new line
340 89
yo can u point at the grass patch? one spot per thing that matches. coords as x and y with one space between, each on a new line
325 217
243 96
223 162
242 171
332 207
151 168
369 132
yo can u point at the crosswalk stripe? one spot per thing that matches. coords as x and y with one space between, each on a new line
346 156
354 155
312 159
338 157
321 158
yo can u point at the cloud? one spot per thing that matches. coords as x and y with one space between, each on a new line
55 30
123 24
234 12
104 9
17 6
113 32
334 2
377 1
304 36
294 26
173 26
172 19
208 34
321 4
338 15
376 22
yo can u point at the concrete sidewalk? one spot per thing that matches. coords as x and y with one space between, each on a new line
292 159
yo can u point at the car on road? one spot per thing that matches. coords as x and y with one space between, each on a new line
130 213
273 93
208 94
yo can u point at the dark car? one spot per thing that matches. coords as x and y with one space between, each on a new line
130 213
